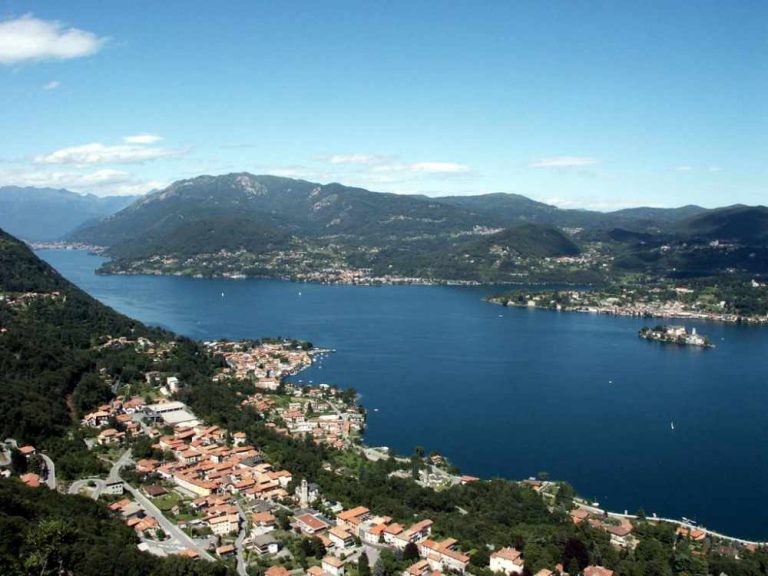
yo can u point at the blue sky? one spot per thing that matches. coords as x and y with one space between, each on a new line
581 104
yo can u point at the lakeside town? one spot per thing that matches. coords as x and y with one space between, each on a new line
194 489
736 302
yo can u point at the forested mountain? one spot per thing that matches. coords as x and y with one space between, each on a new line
282 227
313 210
52 369
45 214
47 344
743 224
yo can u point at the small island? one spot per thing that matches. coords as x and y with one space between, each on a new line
675 335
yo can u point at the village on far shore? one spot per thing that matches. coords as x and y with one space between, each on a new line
737 301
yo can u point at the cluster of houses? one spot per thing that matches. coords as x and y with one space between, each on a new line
620 530
310 413
264 363
24 298
115 420
324 425
135 517
206 465
360 525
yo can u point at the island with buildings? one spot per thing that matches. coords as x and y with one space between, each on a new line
675 335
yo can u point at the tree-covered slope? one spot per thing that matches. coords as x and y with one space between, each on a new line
744 224
47 534
46 343
294 206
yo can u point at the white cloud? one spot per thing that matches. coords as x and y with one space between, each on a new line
439 167
683 168
142 139
27 39
102 182
98 153
564 162
397 167
598 204
354 158
714 169
52 85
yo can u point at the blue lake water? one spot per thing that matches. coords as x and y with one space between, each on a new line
508 392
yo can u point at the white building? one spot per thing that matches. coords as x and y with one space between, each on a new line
507 560
226 524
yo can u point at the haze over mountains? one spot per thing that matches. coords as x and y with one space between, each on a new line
45 214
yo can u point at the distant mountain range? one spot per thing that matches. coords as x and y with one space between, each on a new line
44 214
275 226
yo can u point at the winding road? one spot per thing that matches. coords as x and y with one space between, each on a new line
50 471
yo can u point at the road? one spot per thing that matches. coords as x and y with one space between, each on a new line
50 476
77 486
124 460
681 523
242 566
50 471
168 527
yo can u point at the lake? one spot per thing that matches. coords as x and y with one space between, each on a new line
508 392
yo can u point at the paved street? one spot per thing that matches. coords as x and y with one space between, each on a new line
50 476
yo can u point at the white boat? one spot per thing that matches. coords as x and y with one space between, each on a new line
672 425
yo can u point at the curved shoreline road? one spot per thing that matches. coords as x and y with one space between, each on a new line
680 523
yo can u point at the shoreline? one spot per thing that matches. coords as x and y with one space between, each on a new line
735 539
615 311
579 502
363 281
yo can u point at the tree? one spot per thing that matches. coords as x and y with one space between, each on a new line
46 544
480 558
363 566
378 568
18 462
411 551
575 550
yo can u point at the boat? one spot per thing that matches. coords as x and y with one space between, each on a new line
672 425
